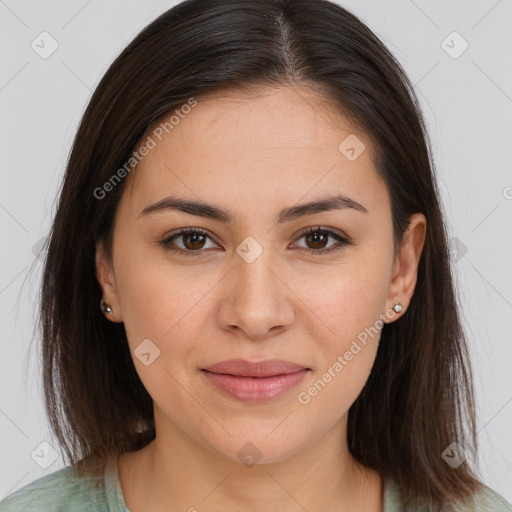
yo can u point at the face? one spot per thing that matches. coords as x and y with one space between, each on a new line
258 287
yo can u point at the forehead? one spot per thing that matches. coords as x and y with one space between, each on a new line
240 149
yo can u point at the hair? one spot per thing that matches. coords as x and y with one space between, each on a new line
419 396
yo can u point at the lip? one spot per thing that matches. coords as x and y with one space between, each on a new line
259 381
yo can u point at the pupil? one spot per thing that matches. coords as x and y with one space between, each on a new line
194 238
316 236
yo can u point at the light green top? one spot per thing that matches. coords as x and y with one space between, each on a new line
61 492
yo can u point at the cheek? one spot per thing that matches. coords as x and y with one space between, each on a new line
145 305
347 308
331 391
346 344
160 314
348 298
156 296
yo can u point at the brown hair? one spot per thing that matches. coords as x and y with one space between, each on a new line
419 396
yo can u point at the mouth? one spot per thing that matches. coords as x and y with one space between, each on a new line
255 382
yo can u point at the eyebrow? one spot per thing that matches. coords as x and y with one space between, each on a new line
202 209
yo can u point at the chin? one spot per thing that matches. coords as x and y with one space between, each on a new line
256 449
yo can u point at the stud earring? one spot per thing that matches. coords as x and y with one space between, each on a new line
397 307
106 308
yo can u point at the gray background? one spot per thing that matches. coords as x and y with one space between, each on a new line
467 101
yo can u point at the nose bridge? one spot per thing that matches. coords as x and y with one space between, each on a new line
259 300
255 268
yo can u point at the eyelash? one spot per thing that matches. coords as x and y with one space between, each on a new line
342 241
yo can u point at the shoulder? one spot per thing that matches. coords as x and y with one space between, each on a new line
485 499
488 500
58 492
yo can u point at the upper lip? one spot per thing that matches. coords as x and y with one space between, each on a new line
266 368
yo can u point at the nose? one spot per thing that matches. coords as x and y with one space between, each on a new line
257 301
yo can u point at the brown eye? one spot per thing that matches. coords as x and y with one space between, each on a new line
193 241
316 240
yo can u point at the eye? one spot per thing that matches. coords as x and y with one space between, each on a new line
318 236
194 239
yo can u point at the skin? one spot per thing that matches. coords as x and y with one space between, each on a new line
261 153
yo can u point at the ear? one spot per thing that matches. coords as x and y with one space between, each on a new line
405 267
107 282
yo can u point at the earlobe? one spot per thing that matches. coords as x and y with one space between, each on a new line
405 267
105 276
106 308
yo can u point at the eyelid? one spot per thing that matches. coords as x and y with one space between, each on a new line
343 240
167 240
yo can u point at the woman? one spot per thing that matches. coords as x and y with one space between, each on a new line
258 310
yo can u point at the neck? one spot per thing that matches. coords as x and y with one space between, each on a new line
174 469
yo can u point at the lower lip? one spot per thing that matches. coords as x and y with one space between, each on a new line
255 389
